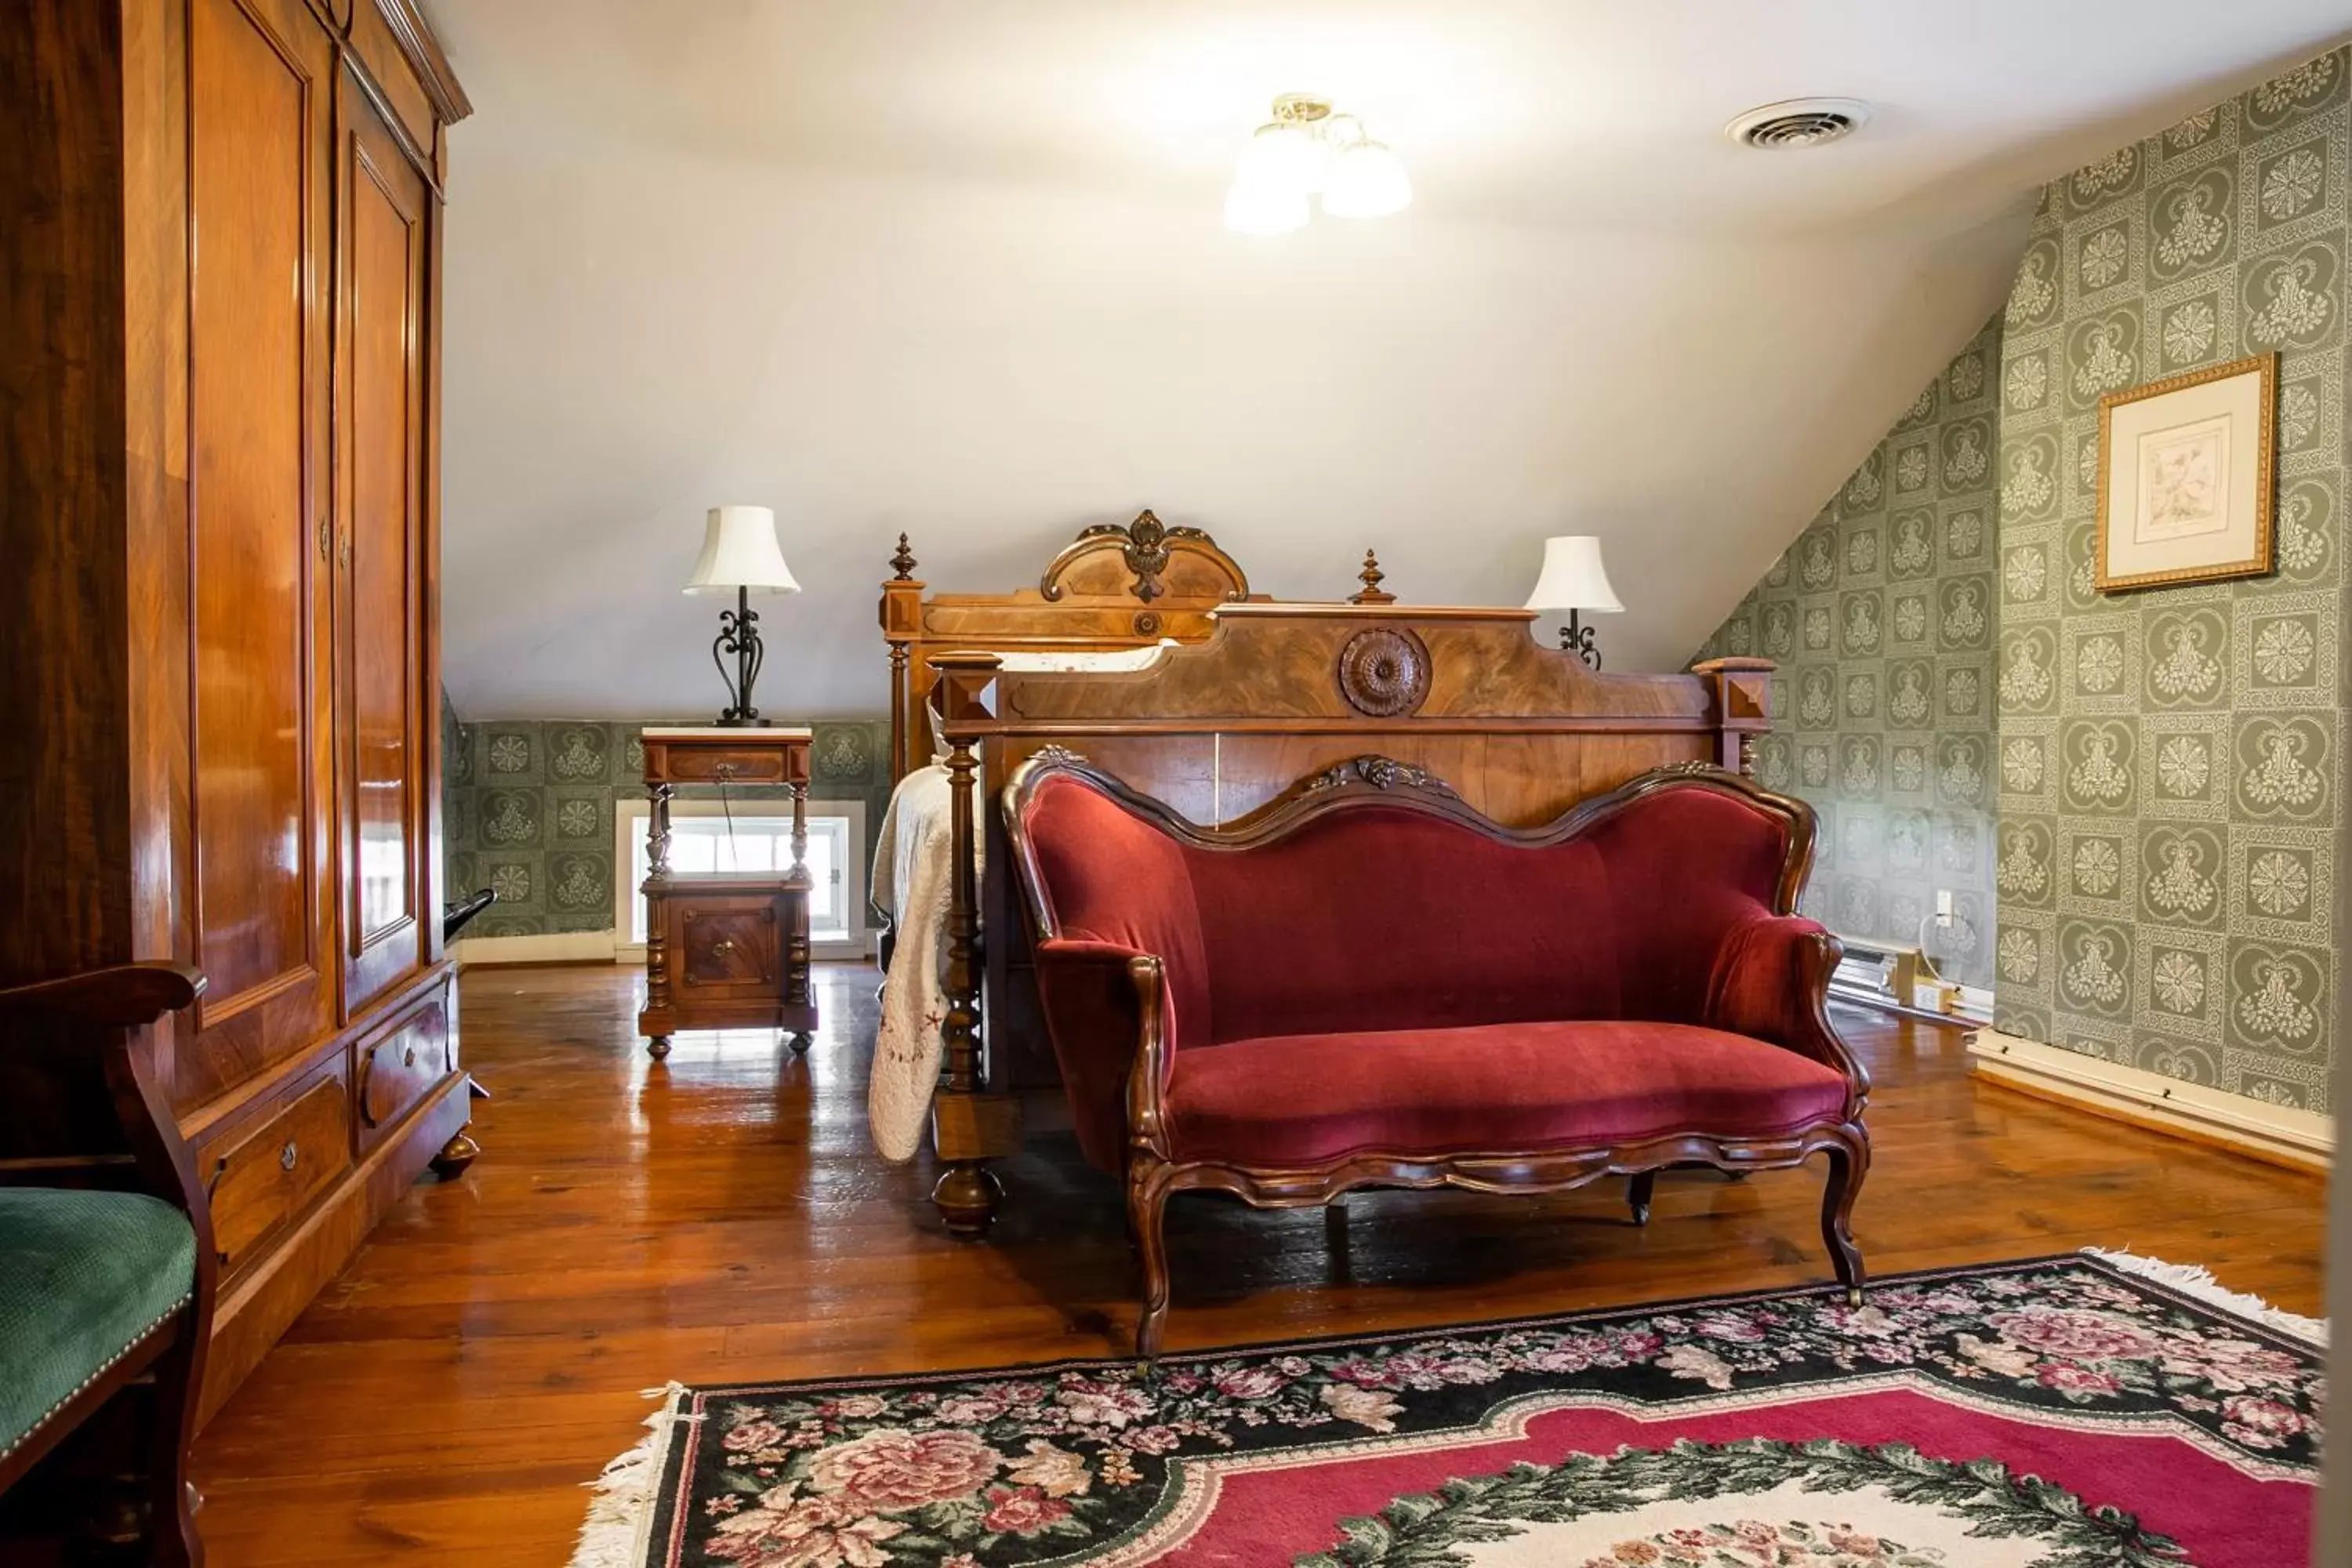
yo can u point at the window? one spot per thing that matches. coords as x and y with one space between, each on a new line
704 840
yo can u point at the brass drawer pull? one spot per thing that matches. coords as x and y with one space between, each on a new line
722 947
288 1155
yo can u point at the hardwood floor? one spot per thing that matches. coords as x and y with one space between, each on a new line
722 1215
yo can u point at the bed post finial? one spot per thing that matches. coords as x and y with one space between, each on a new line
1370 576
903 562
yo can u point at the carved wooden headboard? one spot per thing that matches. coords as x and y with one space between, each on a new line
1115 586
1278 696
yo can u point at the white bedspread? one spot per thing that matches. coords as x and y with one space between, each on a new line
914 859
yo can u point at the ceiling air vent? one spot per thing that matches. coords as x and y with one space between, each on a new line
1797 122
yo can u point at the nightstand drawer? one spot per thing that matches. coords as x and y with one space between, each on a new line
727 764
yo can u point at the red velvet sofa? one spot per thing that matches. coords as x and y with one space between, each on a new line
1372 985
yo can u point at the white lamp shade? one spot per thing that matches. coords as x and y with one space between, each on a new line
1573 578
739 550
1279 170
1366 180
1259 209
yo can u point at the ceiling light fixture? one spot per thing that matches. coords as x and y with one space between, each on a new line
1305 152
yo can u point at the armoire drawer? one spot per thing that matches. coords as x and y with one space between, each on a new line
398 1069
265 1174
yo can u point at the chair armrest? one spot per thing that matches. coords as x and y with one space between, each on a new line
1113 1025
127 996
106 1013
1771 982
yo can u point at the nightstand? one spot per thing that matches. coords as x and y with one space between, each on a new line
729 949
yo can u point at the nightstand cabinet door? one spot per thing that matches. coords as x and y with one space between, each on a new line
728 947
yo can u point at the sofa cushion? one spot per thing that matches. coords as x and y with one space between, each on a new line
83 1276
1303 1099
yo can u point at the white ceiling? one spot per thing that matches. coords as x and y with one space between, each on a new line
955 266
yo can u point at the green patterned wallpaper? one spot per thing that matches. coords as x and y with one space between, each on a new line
528 805
1882 619
2170 767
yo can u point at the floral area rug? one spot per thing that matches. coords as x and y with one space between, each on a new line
2063 1412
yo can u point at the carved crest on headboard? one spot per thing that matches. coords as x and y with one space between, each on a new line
1147 546
1381 772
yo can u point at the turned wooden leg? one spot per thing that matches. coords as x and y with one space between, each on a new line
1849 1162
1637 1194
967 1197
1146 1213
456 1155
659 1046
172 1542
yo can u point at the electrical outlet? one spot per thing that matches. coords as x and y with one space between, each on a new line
1943 906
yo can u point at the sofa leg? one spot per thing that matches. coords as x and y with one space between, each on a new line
1637 1194
1147 1207
1849 1162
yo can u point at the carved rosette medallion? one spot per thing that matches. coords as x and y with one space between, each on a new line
1385 672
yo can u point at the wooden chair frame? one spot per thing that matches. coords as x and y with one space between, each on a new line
1154 1172
105 1013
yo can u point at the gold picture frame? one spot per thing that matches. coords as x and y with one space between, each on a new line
2173 461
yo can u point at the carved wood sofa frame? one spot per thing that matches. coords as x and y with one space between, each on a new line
1154 1173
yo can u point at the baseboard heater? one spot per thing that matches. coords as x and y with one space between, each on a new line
1896 978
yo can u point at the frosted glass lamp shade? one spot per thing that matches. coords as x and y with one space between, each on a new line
1366 180
740 552
1573 577
1257 207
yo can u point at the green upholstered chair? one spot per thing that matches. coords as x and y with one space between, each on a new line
101 1288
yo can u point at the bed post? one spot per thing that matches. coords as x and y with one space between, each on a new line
902 626
1740 694
969 1126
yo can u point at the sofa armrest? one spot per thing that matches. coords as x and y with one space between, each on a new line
1771 982
1113 1024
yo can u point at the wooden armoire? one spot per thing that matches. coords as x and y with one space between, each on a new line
219 626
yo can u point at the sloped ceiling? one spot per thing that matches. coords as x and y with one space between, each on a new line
956 269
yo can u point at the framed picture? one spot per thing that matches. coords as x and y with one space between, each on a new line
2185 477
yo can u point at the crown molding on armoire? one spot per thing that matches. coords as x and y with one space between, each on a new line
223 635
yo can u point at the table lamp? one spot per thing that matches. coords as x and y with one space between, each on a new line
739 556
1573 579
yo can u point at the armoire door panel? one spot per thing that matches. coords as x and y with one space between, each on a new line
260 927
381 723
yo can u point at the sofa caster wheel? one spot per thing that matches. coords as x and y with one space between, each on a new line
659 1046
801 1043
1638 1193
1853 1296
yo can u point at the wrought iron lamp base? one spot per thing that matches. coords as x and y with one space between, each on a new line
1577 639
739 634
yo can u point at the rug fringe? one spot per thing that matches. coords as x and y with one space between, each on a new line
614 1534
2191 1280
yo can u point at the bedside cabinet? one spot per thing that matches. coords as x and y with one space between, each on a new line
727 950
